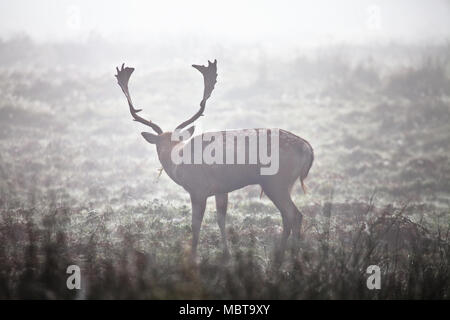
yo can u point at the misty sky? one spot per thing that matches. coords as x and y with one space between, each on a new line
306 22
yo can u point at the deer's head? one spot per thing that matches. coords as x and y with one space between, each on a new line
165 141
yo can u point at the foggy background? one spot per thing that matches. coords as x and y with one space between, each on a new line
286 23
321 70
367 83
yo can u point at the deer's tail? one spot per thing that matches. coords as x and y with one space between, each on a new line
307 167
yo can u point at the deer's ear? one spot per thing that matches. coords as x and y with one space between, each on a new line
186 134
150 137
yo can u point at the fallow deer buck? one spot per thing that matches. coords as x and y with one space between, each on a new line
202 179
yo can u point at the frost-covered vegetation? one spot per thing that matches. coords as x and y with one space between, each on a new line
78 184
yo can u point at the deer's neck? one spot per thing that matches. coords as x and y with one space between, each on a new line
164 155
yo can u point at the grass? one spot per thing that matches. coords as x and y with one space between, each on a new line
145 255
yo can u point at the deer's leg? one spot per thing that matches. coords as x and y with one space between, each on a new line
198 211
291 216
221 206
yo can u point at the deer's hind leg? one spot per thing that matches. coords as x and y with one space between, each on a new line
221 206
291 216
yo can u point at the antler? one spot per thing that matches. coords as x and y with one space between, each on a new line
123 75
210 79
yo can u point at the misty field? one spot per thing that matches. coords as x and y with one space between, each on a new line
79 185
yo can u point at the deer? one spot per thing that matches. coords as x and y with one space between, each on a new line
203 180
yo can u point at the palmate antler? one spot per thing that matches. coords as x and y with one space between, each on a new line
209 76
123 76
210 79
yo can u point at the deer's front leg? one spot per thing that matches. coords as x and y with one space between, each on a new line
198 211
221 206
